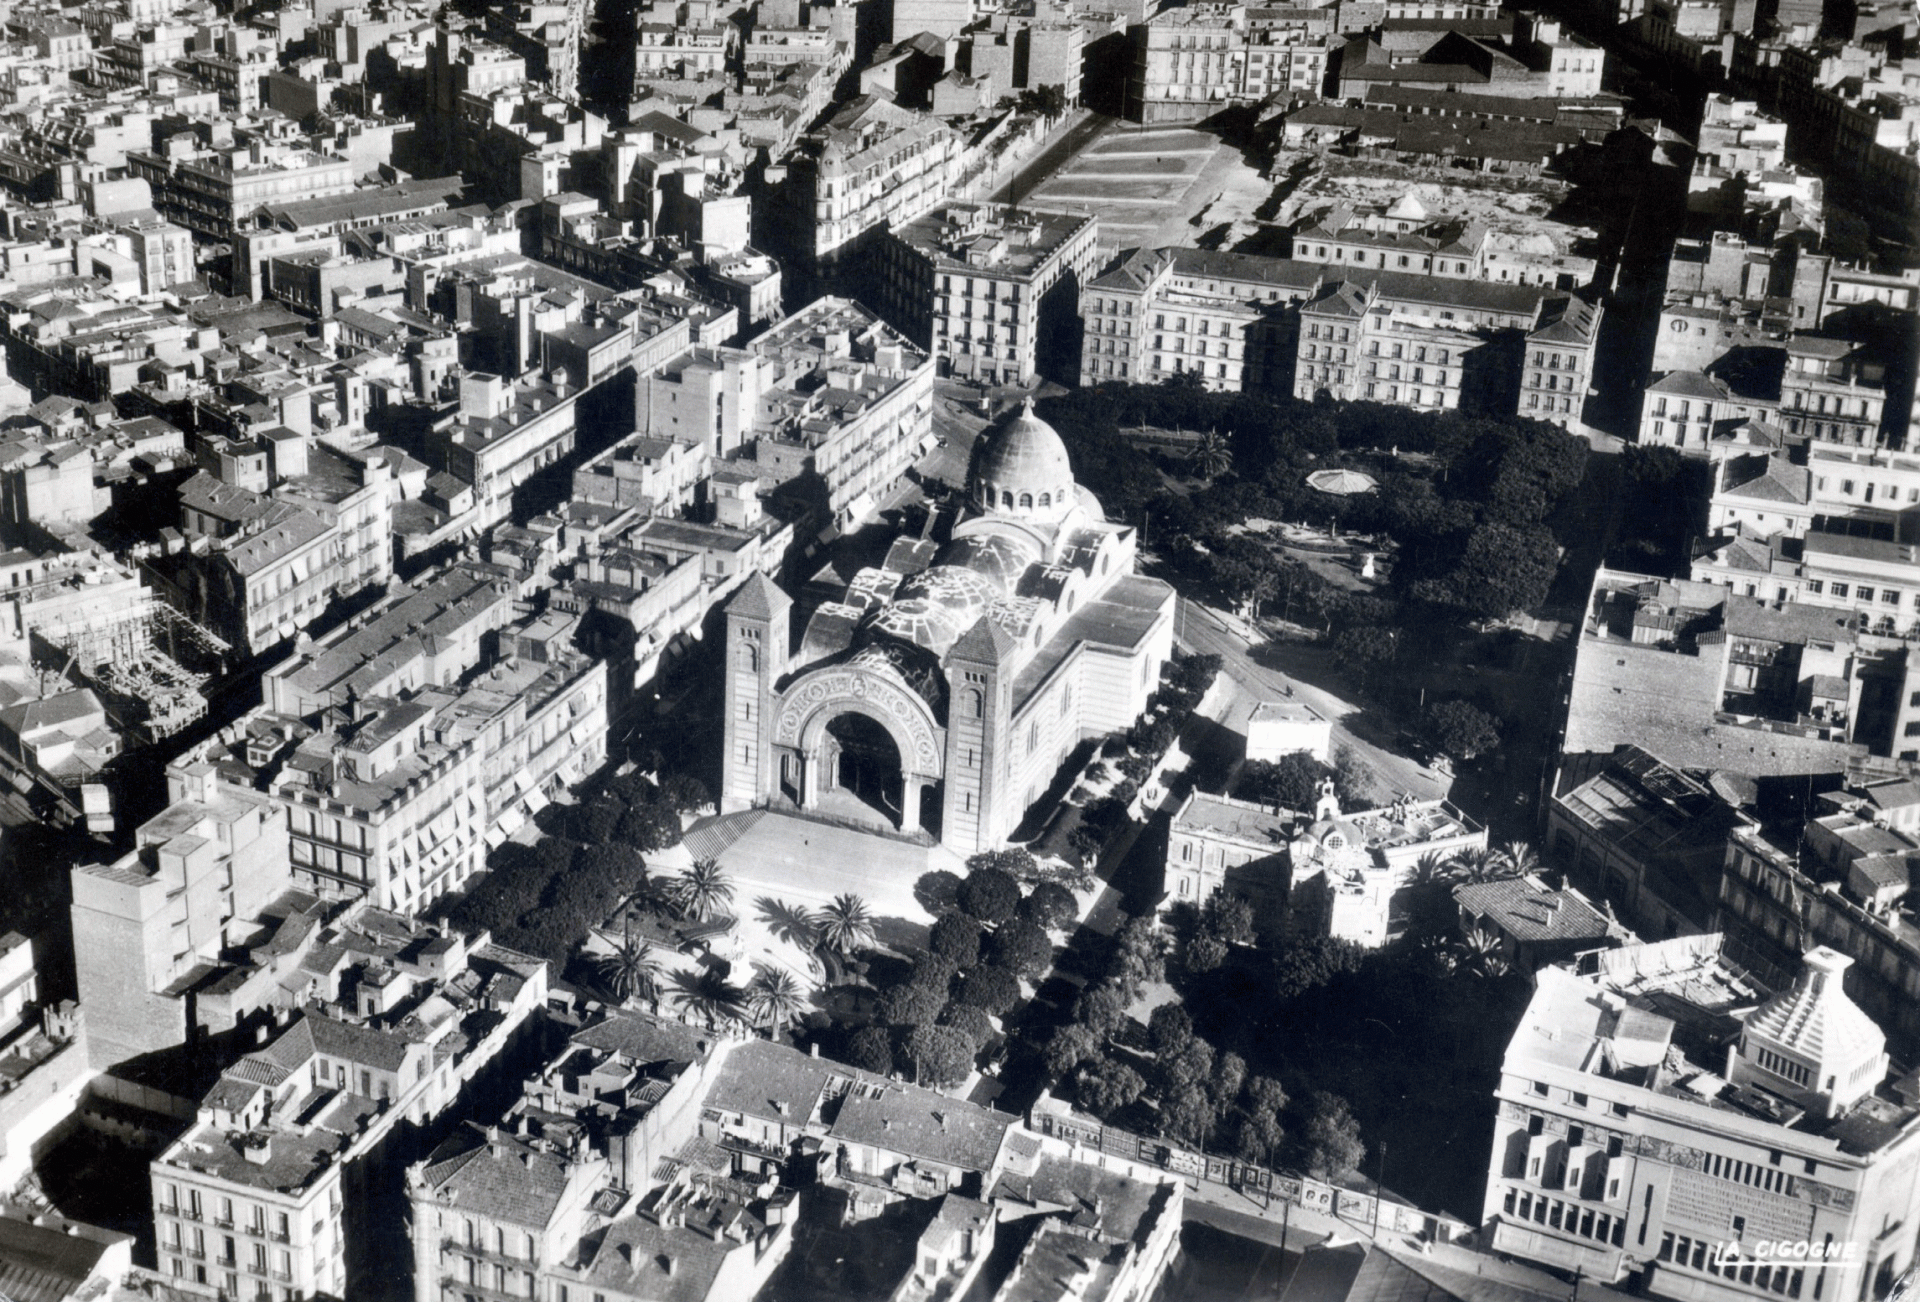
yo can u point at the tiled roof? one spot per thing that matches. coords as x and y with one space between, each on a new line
923 1124
1523 907
497 1175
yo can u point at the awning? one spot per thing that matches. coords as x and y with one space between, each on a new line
537 801
510 821
495 836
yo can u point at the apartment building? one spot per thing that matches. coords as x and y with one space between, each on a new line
848 398
1705 677
461 725
213 192
149 926
593 1184
1660 1111
980 285
275 1189
1164 311
1420 341
874 165
1846 885
265 562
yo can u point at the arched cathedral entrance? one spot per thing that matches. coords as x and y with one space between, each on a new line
860 760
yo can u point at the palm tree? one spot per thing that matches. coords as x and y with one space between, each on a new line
1211 455
1518 858
789 922
846 924
709 996
1429 868
774 997
1476 863
703 889
631 970
1480 951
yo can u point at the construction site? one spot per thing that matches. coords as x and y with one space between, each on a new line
149 664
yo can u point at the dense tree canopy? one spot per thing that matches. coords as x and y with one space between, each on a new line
990 894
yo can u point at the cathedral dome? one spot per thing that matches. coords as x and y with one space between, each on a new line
1024 471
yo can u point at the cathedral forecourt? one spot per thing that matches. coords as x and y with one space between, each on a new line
941 690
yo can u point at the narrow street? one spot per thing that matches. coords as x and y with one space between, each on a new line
1200 628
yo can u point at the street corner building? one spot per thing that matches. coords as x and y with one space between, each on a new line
937 693
1666 1122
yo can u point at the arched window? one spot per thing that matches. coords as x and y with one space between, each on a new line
1026 500
1071 598
750 658
976 702
1046 500
1006 498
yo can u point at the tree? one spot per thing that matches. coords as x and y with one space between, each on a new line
1312 961
1051 905
1290 782
1105 1087
993 988
914 1004
1354 781
631 971
1139 956
1192 1065
1481 952
990 895
1211 456
1205 952
1085 841
649 827
969 1021
1229 1077
1070 1046
1461 729
941 1055
1330 1141
1022 946
1260 1137
709 996
1265 1094
1015 860
684 794
703 890
1477 863
845 925
1187 1115
1501 570
1364 649
1171 1027
1518 858
774 997
1100 1008
956 936
871 1049
1230 917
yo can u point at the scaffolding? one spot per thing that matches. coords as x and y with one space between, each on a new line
150 664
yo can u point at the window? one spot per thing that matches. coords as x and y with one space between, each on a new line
1839 589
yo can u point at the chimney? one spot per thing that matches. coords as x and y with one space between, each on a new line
813 1050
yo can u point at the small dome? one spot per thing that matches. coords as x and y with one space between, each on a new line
1024 470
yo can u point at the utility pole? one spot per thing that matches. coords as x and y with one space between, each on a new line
1379 1187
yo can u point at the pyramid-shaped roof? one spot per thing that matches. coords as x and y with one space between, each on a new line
1815 1019
759 598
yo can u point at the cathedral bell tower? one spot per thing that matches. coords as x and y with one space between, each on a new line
756 652
979 707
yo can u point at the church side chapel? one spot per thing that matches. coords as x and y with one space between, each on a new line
939 692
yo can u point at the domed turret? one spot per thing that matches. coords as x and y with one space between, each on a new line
1024 471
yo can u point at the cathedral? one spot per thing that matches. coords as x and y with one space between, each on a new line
939 691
